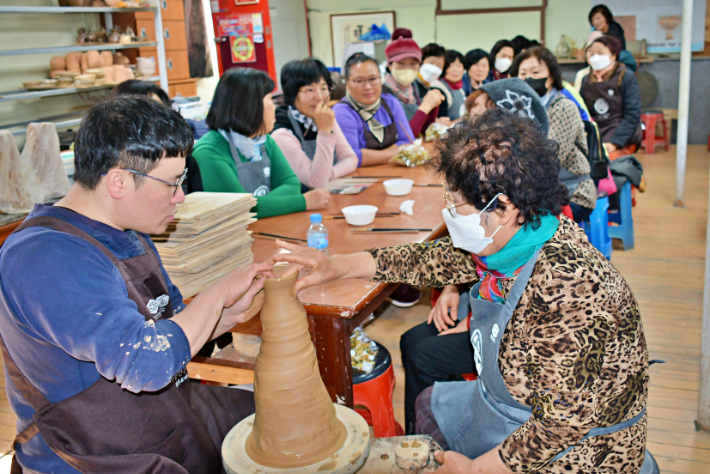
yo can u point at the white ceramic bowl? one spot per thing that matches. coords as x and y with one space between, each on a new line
398 187
359 215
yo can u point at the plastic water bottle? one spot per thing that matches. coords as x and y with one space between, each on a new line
317 234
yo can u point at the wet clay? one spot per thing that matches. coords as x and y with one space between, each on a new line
295 423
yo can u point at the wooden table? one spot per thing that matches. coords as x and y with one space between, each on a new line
337 308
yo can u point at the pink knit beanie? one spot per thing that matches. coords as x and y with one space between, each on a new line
402 47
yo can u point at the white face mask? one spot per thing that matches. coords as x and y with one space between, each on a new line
466 232
429 72
600 61
404 76
503 64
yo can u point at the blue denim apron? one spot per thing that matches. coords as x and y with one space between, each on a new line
492 413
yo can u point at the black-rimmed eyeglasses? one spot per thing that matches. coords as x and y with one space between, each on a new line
175 185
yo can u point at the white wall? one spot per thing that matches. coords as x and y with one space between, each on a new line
457 31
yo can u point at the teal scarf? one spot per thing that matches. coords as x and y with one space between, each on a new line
509 260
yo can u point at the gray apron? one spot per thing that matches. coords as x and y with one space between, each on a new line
254 176
457 107
492 414
571 180
308 146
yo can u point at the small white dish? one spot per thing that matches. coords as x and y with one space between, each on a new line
398 187
359 215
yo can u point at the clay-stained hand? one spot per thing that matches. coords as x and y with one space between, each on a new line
448 301
241 284
319 266
453 463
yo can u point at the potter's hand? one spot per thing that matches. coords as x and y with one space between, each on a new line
317 264
453 463
321 268
248 305
448 301
241 284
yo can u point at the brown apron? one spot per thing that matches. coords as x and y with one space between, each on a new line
390 138
105 429
606 103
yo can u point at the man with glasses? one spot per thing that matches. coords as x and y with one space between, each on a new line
95 336
305 128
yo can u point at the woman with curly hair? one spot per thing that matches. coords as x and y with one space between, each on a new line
557 337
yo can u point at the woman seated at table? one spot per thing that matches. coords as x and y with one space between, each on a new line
238 156
501 58
306 130
538 67
451 85
477 70
431 68
373 123
613 98
193 180
438 350
556 331
403 60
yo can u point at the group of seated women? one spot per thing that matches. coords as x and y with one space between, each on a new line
560 356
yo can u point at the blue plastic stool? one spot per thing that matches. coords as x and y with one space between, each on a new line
625 219
597 228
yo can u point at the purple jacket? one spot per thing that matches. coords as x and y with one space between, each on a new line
353 126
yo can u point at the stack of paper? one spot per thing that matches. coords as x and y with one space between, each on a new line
207 239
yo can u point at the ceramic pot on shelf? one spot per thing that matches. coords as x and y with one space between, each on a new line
115 36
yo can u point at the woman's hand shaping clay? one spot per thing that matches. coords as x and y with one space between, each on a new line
448 301
321 268
319 265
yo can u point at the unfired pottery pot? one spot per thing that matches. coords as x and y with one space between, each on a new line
295 423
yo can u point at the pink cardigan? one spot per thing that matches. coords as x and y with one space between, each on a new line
317 173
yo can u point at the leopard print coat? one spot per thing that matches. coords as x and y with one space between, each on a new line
574 351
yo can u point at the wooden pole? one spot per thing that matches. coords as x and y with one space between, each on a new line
683 101
703 421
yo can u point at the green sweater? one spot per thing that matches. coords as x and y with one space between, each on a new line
219 175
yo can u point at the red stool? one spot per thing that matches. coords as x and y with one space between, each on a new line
650 139
373 391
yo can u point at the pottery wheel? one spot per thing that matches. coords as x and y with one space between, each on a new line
347 460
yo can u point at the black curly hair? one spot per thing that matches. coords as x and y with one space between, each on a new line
503 153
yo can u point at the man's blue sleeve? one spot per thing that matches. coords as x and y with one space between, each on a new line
65 291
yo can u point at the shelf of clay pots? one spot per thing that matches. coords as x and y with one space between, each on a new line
73 9
71 49
58 124
23 94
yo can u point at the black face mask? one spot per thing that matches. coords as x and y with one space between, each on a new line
538 85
